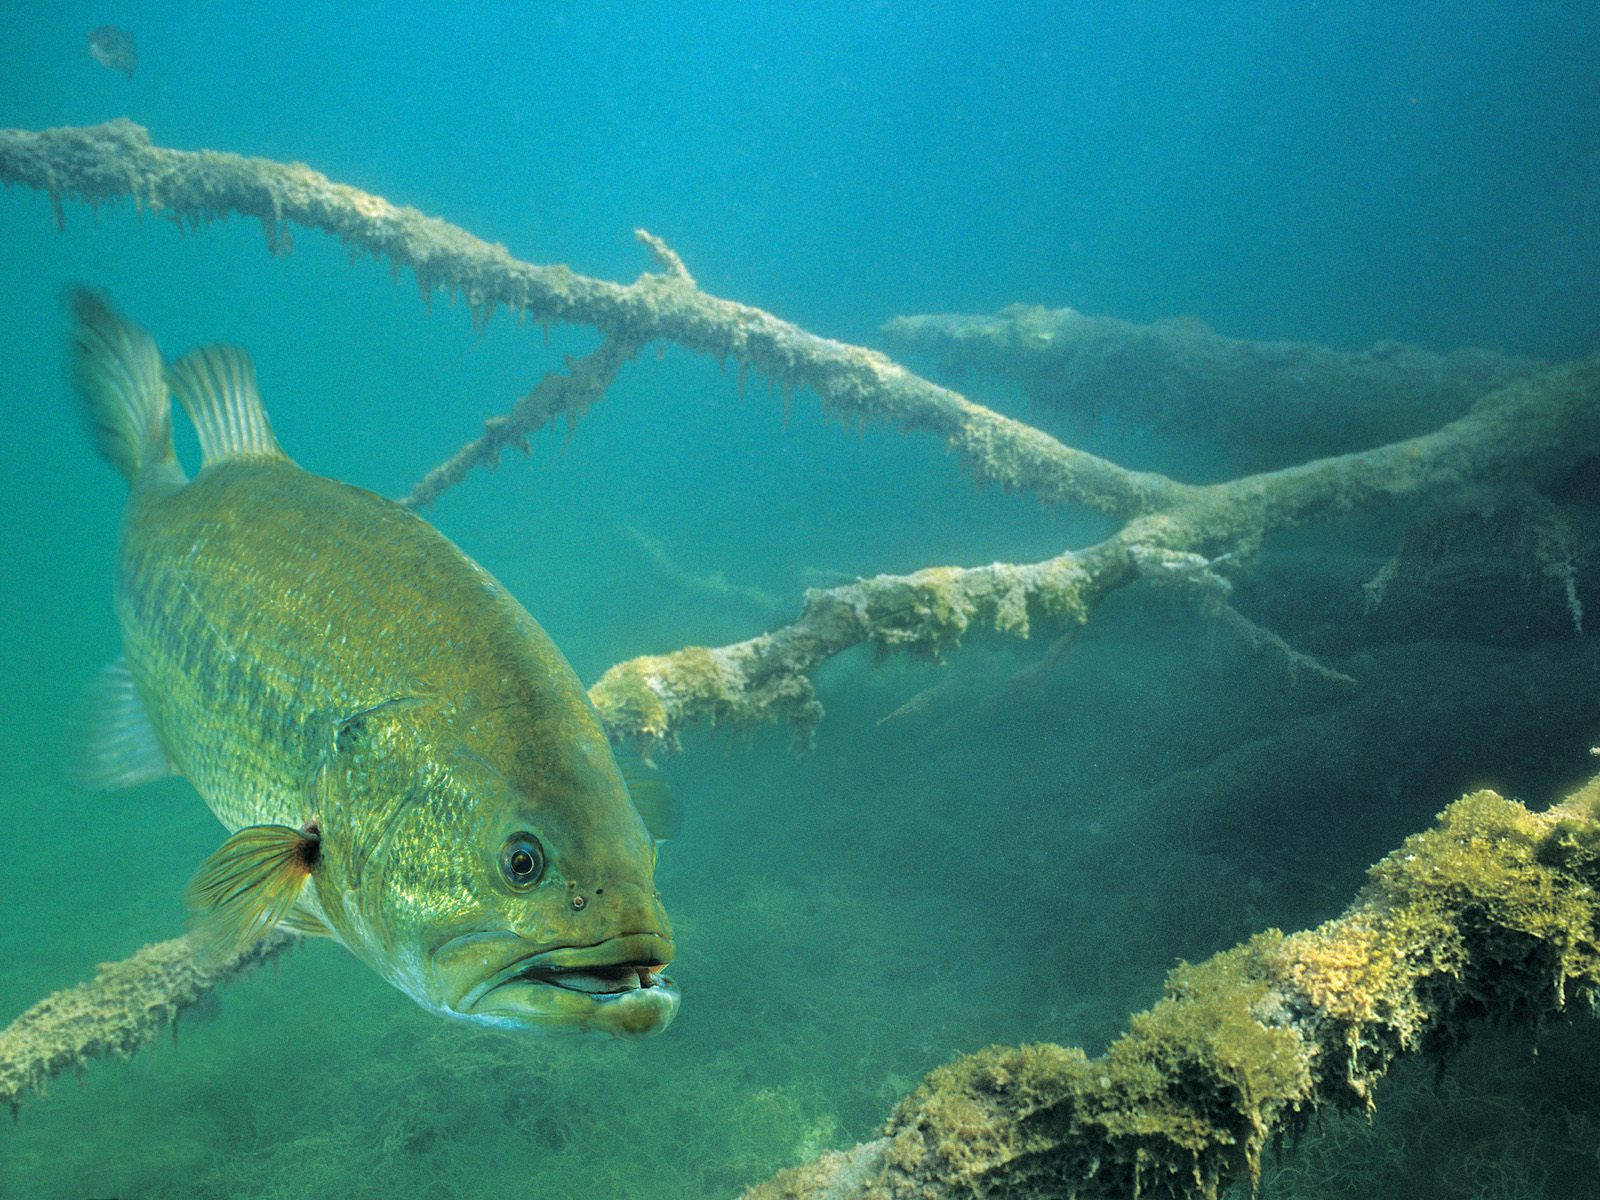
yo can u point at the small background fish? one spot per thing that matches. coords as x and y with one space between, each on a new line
114 48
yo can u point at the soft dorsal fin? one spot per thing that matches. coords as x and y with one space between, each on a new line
217 387
250 884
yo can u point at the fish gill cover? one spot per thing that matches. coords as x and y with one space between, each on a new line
1145 257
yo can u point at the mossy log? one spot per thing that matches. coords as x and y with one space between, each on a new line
124 1006
1259 403
1494 913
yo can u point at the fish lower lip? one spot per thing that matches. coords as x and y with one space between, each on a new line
596 980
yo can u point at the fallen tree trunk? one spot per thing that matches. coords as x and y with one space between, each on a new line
1256 404
1493 913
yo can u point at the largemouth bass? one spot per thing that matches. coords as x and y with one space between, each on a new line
404 760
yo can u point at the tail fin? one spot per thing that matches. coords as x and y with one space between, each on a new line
119 376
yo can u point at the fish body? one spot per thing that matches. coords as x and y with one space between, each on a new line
405 760
114 48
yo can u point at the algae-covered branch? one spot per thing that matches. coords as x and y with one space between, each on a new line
1515 420
1493 913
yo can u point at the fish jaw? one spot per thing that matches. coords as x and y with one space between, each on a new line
614 987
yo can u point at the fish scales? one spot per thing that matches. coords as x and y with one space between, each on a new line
260 602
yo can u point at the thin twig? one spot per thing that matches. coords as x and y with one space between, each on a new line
570 393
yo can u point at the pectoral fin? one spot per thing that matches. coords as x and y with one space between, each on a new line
250 884
653 799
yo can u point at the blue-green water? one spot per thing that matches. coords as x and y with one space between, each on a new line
988 867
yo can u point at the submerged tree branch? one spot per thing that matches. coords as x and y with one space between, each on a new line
1265 403
1526 427
1527 431
124 1006
1491 914
570 394
104 162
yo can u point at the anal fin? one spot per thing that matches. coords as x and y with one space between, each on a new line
119 748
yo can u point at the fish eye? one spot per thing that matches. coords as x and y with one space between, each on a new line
522 860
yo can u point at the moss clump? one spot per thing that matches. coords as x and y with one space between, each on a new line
649 699
1492 912
627 703
1181 1104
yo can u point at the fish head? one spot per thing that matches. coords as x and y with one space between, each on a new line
513 889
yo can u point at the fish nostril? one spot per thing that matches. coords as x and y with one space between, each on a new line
578 902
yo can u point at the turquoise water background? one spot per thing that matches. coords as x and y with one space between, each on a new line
983 870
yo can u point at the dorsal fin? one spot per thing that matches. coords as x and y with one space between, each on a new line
217 387
118 372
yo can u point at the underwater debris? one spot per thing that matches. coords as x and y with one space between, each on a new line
102 162
1519 431
1492 913
1261 403
1530 428
648 700
570 394
113 48
125 1005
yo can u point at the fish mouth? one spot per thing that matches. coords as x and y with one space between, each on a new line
615 986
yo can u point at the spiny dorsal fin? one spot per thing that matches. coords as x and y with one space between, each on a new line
217 387
249 885
120 748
